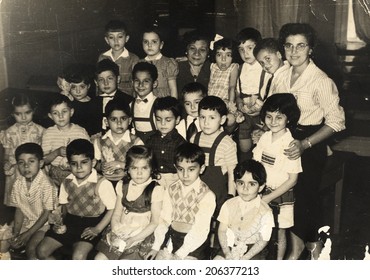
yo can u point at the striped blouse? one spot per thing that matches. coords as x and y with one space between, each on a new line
316 94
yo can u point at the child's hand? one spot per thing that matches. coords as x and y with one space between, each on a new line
20 240
151 255
62 151
129 242
110 167
90 233
9 168
95 136
256 135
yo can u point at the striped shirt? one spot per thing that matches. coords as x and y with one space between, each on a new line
32 201
54 138
316 94
225 153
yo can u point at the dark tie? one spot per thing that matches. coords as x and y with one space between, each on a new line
268 87
138 100
106 96
192 130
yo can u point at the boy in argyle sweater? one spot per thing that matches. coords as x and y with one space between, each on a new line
188 205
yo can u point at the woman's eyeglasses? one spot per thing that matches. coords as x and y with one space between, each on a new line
299 47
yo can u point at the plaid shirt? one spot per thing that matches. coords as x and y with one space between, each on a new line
164 149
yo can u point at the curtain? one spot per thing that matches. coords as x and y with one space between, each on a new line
267 16
361 13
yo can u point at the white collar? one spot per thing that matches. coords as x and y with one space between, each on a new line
246 205
150 97
92 178
158 57
194 186
147 182
108 95
124 54
125 137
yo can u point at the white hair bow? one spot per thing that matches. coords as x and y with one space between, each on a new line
218 37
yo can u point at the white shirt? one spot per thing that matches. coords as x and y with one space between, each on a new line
142 110
124 54
183 125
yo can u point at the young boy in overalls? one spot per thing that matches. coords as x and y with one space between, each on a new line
145 77
220 150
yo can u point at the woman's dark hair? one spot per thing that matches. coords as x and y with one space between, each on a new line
286 104
303 29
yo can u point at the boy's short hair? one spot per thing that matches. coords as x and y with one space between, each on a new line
213 103
190 152
254 167
116 26
194 87
60 99
29 148
248 33
286 104
80 147
167 103
154 28
269 44
225 43
119 105
145 67
78 73
106 65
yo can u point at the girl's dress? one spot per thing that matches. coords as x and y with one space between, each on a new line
136 216
278 166
168 69
13 137
219 81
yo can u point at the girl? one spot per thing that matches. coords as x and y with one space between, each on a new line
222 82
167 67
136 214
279 112
24 130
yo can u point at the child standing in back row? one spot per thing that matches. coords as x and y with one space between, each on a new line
116 36
251 88
24 130
167 67
279 113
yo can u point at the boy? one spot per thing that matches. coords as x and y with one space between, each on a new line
192 93
166 139
56 138
269 56
219 148
246 221
88 201
110 149
251 87
188 205
116 36
144 77
34 197
106 79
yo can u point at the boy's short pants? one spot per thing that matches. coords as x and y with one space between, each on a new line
75 226
248 125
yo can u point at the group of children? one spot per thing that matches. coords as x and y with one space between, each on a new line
135 177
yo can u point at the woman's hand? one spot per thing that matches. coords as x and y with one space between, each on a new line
151 255
295 150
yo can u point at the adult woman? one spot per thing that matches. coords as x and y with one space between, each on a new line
321 117
196 68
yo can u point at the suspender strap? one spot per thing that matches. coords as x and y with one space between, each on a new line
211 151
150 119
262 78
